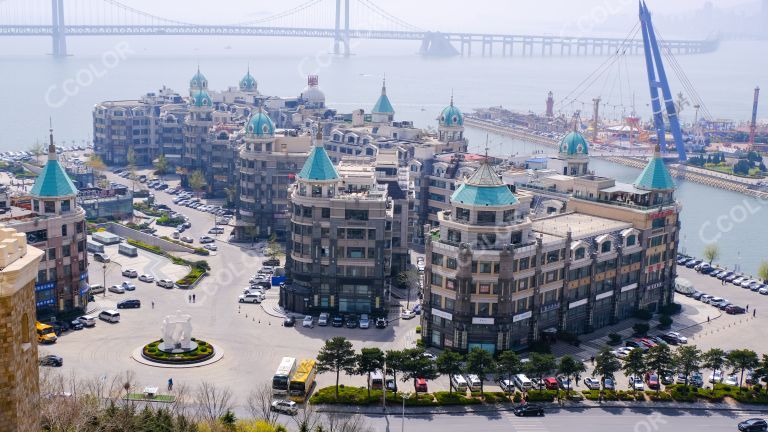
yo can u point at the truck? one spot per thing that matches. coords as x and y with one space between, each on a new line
127 250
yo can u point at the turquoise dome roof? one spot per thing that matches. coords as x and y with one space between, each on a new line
198 81
451 116
201 99
248 83
485 189
260 124
574 144
655 176
53 181
318 166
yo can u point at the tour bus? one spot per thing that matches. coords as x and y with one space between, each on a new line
282 377
303 380
45 333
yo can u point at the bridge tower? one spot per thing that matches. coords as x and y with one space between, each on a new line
655 66
341 36
59 35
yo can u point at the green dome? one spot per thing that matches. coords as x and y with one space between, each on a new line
201 99
248 83
198 82
574 144
260 124
451 116
484 189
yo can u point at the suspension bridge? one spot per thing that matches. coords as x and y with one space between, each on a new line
338 20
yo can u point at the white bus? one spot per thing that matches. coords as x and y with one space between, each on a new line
282 377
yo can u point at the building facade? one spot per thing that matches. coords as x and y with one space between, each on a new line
339 249
20 398
498 280
56 225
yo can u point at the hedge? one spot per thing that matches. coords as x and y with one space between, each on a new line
541 395
446 398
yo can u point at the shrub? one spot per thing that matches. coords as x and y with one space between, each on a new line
445 398
665 321
660 397
418 329
641 329
541 395
517 398
614 338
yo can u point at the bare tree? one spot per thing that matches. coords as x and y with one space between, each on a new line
212 402
337 422
307 418
260 404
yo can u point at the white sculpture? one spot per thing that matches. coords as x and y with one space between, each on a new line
177 333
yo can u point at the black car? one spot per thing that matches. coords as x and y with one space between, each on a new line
272 262
668 339
753 424
289 321
528 410
734 310
51 360
76 325
129 304
381 323
352 321
60 327
337 321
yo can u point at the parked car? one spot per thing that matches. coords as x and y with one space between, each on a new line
87 320
406 314
308 321
51 360
117 289
351 321
365 322
652 380
753 425
211 247
250 298
129 304
636 383
381 322
692 263
592 383
131 273
337 321
696 380
76 325
128 286
716 377
705 298
731 380
420 264
205 239
165 283
678 337
528 410
564 383
285 406
697 295
289 321
322 320
147 278
734 310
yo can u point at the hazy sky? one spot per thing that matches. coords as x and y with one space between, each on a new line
508 16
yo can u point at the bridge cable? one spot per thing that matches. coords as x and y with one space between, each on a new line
386 15
279 15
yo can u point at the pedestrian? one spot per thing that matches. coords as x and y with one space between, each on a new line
189 298
754 313
592 360
707 319
153 304
747 308
170 384
194 298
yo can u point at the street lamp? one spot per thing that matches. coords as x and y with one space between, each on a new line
405 395
104 274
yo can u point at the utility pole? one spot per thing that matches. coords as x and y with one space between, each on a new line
596 118
753 125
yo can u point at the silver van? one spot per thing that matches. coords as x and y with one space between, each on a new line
522 382
96 289
110 316
473 381
459 383
323 319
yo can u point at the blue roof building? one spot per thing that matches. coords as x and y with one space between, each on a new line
260 125
383 112
318 166
248 83
655 176
53 181
484 188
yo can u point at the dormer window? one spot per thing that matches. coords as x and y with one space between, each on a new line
631 240
605 247
579 253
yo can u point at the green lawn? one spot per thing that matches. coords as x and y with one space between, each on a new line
158 398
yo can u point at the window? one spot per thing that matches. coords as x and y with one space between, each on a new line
437 279
631 240
355 252
509 215
36 205
659 223
553 256
656 241
454 236
326 213
436 300
483 309
449 304
523 263
580 253
486 267
359 215
605 247
66 206
64 230
450 284
451 263
486 217
484 288
486 240
79 227
49 206
306 212
437 259
522 284
462 214
356 234
52 253
66 250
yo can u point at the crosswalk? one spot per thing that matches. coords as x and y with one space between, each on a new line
525 424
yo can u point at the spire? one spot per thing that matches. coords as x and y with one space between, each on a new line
319 135
384 86
51 146
451 97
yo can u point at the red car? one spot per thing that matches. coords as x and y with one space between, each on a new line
647 342
652 380
420 384
550 383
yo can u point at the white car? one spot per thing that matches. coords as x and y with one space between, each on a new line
250 298
763 290
165 283
622 352
420 264
87 320
592 383
406 314
365 322
147 278
128 286
131 273
680 338
206 239
117 289
187 239
308 321
731 380
636 383
211 247
285 407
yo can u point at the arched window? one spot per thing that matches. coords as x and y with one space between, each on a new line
631 240
579 253
25 330
605 247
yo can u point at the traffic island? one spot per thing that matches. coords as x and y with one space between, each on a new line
199 352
